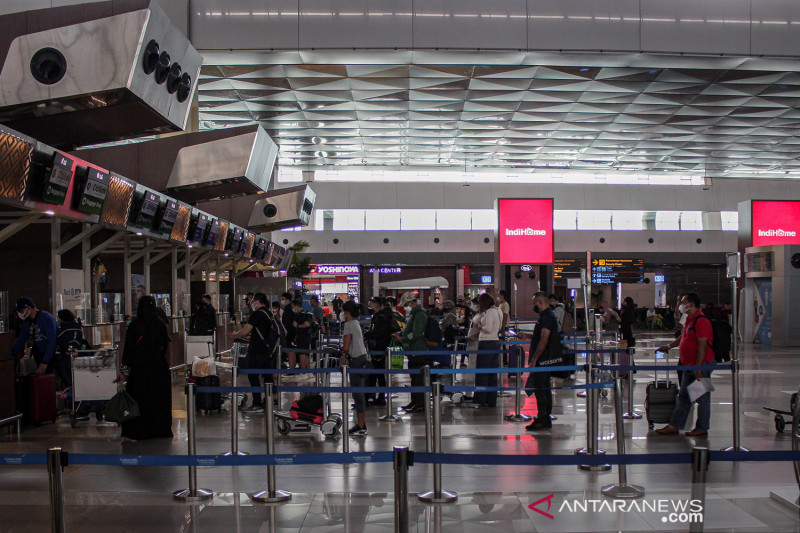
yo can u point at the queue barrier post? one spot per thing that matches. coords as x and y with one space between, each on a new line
631 414
345 414
389 416
737 447
426 382
403 459
191 494
56 461
437 495
621 490
699 471
271 495
234 413
517 415
592 402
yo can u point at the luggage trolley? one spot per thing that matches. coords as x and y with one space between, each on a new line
94 377
780 421
329 423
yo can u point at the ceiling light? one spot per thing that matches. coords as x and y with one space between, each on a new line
49 213
139 233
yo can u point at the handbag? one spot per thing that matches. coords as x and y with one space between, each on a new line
554 356
27 365
121 408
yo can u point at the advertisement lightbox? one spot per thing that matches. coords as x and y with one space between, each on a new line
775 223
525 230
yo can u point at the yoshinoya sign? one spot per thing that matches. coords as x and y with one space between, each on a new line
334 270
525 230
775 223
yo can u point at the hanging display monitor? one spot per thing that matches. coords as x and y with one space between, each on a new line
93 196
612 271
525 230
213 232
169 212
147 210
198 228
568 268
775 223
56 182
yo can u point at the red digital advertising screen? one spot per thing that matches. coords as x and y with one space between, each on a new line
776 223
525 230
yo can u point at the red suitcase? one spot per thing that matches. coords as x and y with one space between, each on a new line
42 398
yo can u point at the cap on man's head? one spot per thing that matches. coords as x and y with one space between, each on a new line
24 302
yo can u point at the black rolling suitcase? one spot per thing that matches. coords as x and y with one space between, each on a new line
208 401
660 399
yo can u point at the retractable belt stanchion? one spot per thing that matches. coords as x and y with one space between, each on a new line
631 414
278 363
235 413
699 470
192 494
56 461
345 414
271 495
592 402
426 382
437 495
517 416
402 460
389 416
621 489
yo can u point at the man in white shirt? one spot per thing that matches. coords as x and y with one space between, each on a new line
502 303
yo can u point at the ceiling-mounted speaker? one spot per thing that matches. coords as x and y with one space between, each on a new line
795 260
532 274
283 208
518 275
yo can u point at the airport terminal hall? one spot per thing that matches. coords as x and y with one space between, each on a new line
410 266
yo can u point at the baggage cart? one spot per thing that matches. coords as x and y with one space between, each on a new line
94 377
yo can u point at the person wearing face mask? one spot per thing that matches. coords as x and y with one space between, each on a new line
287 319
413 339
42 326
558 309
627 319
695 343
488 323
354 354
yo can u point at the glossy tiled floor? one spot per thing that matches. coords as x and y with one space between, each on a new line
359 498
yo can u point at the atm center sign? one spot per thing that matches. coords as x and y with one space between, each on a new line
525 230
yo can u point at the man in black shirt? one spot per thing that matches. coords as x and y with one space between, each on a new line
287 319
263 347
546 327
302 336
209 314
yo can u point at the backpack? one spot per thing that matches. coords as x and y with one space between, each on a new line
398 321
567 324
433 333
276 335
721 346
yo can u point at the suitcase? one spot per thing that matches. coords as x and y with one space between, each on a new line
660 399
208 401
311 410
38 392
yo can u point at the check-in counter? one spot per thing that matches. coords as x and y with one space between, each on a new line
108 334
177 335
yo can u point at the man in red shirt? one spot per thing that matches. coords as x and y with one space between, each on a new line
695 347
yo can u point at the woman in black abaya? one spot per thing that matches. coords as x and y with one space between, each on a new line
148 380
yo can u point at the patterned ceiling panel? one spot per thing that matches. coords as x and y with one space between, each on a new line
721 117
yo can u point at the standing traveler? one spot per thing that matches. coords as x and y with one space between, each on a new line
146 373
265 337
488 322
502 304
627 320
354 354
546 331
302 338
42 326
413 339
378 337
696 349
287 319
558 309
318 312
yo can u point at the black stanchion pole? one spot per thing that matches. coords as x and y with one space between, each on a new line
271 495
389 416
699 471
345 414
192 494
56 461
592 402
517 416
437 495
631 414
234 413
402 460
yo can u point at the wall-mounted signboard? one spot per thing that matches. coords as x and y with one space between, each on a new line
612 271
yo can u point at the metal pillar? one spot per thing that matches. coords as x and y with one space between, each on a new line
517 416
389 416
426 382
56 461
402 460
271 495
437 495
235 411
737 447
699 470
592 402
173 258
55 263
86 263
621 489
126 275
146 266
192 494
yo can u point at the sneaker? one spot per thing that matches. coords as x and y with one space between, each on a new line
358 431
537 426
255 408
378 402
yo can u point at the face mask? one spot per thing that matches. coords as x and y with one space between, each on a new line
284 303
536 309
474 307
253 307
23 316
342 316
683 308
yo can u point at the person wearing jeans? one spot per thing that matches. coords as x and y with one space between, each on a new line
695 343
488 322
